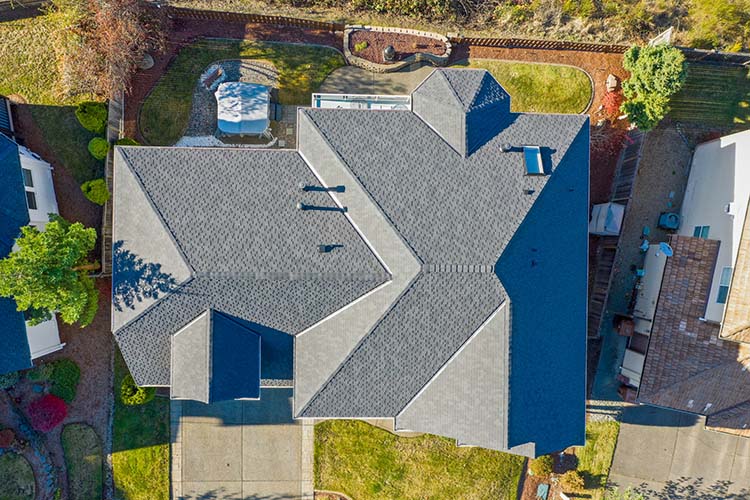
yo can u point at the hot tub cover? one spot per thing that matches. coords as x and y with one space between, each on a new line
242 108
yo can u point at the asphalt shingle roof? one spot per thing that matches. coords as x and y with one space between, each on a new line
485 233
15 354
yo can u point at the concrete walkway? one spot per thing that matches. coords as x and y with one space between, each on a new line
247 450
353 80
666 454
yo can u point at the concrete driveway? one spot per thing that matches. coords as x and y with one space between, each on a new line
666 454
249 450
353 80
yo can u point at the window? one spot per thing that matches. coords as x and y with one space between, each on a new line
701 232
31 200
726 279
28 181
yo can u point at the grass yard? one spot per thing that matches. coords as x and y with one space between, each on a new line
140 444
539 88
28 68
83 458
595 459
714 95
165 113
16 478
366 462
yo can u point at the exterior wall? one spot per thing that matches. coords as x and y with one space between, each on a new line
717 196
43 338
43 188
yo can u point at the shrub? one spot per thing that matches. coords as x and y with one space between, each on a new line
9 380
127 141
132 395
96 191
92 116
7 438
542 466
612 102
359 47
40 373
47 412
98 147
656 73
65 377
572 481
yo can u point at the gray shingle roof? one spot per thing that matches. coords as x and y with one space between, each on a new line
486 234
253 254
215 359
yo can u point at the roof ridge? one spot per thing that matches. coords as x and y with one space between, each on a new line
361 341
158 213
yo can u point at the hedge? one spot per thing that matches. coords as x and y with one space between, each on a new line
64 378
92 116
98 147
131 394
9 380
96 191
47 412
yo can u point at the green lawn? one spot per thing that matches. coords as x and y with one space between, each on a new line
595 459
28 68
366 462
164 115
714 95
539 88
83 458
16 478
140 444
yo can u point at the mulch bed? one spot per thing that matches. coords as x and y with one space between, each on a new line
185 32
406 45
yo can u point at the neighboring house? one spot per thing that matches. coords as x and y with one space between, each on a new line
693 361
27 197
426 265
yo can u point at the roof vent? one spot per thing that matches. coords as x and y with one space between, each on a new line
506 148
532 159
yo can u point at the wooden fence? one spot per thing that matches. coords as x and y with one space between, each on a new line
524 43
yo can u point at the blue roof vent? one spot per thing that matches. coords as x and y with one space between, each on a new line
532 159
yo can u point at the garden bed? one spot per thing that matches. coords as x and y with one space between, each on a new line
371 44
16 478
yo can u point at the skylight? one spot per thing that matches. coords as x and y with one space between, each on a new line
532 159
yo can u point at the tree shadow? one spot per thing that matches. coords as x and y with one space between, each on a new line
686 488
223 494
134 280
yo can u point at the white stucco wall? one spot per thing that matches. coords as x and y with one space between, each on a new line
717 196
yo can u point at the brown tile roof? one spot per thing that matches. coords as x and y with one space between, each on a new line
736 324
688 367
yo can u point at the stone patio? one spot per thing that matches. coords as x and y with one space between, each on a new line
241 450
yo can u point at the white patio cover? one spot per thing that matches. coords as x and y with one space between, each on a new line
606 219
242 108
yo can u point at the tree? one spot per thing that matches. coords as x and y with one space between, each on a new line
132 394
656 73
101 42
49 272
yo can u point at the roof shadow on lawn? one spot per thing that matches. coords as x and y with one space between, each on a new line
134 280
224 493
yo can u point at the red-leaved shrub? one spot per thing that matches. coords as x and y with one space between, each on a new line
7 437
612 102
47 412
